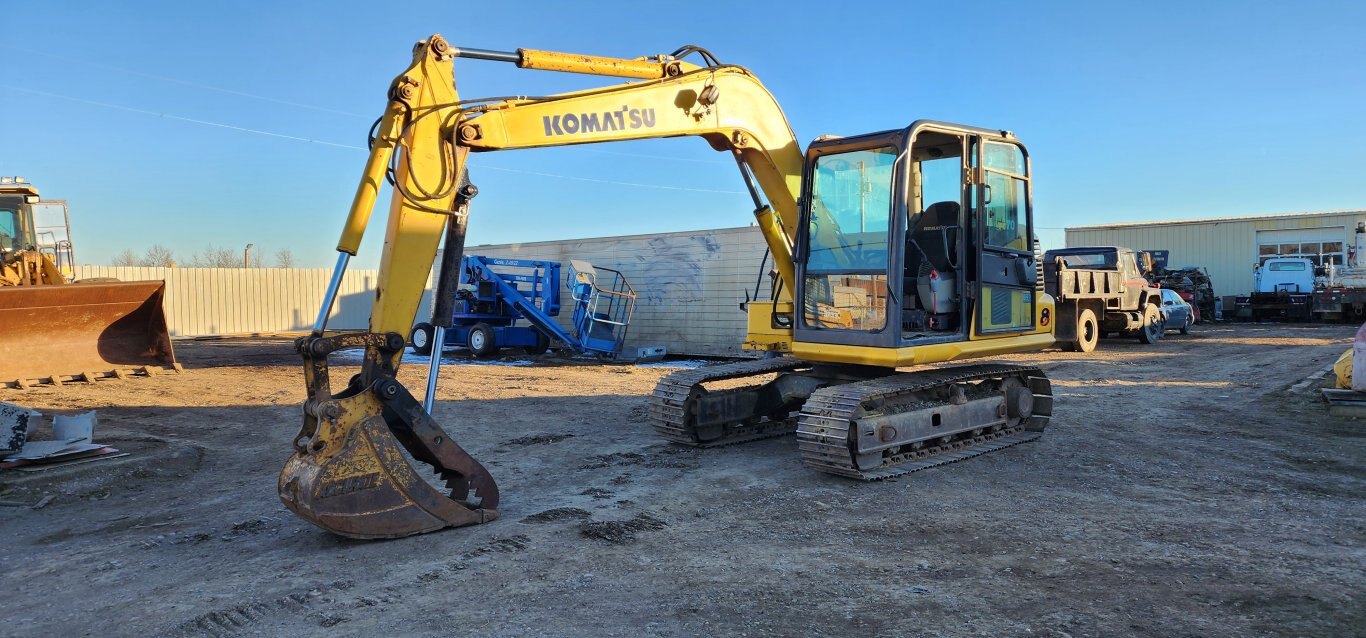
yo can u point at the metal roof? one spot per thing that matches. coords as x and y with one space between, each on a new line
1217 220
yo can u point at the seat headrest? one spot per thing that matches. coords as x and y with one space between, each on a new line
938 215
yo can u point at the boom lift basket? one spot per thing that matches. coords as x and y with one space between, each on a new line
603 304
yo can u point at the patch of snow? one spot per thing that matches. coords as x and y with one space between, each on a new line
355 357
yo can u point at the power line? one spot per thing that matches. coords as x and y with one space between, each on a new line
163 78
255 96
182 118
297 138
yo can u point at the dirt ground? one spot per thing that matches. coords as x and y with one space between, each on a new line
1182 490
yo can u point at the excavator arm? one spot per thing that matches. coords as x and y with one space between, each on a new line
348 474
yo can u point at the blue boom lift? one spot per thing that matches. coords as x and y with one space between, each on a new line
490 304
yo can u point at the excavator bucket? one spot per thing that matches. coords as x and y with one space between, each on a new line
82 331
369 490
350 477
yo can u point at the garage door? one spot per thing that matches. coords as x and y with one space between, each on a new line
1323 244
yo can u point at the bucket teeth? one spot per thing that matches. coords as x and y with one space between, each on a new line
368 490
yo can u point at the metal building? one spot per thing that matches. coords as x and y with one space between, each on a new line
690 284
1230 247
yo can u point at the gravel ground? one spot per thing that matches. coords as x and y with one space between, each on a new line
1182 490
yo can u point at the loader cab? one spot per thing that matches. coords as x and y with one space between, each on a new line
16 197
914 237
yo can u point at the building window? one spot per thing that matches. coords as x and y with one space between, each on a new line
1321 253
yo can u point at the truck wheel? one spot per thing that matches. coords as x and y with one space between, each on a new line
542 344
421 339
1151 331
1190 321
1088 332
482 341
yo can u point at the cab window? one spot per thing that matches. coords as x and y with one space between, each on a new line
1005 196
851 203
9 229
845 286
1089 260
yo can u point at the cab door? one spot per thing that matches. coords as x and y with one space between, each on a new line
51 231
853 206
1003 218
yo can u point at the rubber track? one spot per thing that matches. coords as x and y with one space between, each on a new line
828 417
669 403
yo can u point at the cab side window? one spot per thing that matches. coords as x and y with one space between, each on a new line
8 230
1006 196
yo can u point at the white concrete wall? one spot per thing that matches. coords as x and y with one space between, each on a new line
690 284
1225 247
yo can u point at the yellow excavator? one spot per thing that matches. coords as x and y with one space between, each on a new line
906 247
54 330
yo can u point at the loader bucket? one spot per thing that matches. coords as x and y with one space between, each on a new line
82 331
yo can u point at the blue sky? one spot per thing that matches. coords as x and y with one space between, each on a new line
1131 111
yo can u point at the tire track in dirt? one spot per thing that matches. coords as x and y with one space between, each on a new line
317 603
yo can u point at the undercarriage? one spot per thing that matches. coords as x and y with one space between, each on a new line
857 421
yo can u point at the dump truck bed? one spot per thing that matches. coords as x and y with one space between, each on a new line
1069 284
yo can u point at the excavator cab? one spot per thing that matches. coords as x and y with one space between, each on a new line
913 237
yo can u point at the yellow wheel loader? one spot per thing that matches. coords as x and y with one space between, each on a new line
905 247
54 330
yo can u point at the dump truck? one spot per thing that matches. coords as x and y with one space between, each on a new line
55 329
1101 290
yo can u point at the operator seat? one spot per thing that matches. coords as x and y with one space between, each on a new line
936 238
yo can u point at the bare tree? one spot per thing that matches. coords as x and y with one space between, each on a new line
158 255
125 258
284 258
212 257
